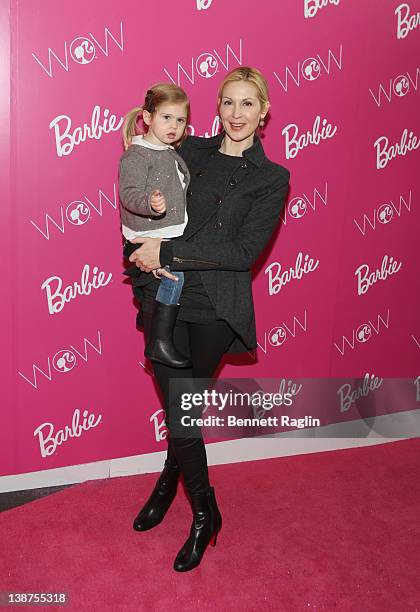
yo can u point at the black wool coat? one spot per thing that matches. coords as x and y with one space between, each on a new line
224 238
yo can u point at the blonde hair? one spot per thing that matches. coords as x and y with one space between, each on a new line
158 94
252 75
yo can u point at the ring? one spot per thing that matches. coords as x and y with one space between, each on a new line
158 272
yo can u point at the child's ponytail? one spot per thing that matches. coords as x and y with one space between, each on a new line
129 128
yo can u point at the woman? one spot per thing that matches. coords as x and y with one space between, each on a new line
234 203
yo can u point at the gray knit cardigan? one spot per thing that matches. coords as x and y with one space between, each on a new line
141 171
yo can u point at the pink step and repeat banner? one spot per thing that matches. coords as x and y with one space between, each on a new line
337 294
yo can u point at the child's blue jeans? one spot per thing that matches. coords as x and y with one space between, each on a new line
169 290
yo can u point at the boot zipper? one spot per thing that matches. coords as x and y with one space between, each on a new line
179 260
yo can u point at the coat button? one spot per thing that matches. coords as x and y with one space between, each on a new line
233 181
244 165
212 154
200 173
218 225
219 200
189 192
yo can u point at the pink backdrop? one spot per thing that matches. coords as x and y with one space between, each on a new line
350 67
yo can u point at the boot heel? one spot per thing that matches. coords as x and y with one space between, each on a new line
207 522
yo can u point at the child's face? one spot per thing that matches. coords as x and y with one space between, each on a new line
167 124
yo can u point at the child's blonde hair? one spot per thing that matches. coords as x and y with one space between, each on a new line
158 94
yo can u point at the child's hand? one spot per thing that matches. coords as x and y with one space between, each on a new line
159 272
158 202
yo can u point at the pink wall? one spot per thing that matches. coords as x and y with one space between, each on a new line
346 64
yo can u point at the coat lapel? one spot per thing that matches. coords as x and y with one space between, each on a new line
252 159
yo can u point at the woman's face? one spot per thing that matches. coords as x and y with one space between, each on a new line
240 110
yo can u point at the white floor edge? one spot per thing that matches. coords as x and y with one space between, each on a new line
298 442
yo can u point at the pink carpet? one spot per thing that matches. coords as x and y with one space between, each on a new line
328 531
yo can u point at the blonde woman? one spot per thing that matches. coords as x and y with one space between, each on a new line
234 202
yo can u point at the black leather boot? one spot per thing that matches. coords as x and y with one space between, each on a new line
160 499
160 346
207 522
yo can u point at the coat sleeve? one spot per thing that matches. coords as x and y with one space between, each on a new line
240 253
132 187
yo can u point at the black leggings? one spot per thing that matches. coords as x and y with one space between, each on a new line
205 344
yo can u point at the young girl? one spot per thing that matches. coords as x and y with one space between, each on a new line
153 183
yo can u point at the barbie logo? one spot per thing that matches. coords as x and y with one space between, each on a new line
384 214
302 205
311 7
57 297
363 333
64 361
297 208
310 68
295 142
398 86
77 213
406 22
206 65
158 420
278 279
82 50
401 86
203 5
49 439
386 152
215 128
67 138
349 396
366 278
278 335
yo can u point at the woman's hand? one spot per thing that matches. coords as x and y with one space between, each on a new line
147 256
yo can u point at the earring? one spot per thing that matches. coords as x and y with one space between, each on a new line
261 124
